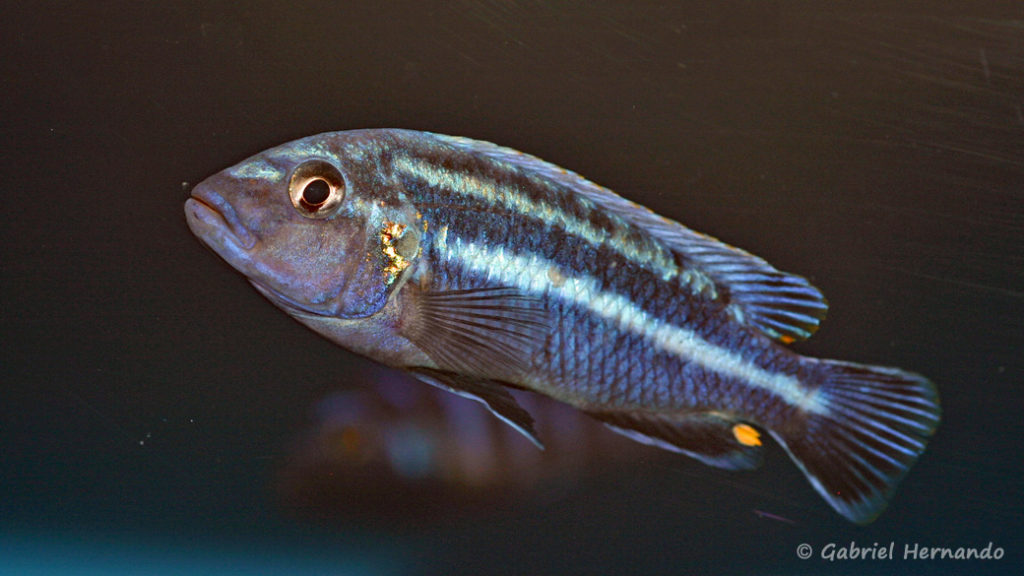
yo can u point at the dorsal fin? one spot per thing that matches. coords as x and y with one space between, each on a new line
783 306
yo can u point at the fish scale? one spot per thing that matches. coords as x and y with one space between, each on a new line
477 268
633 281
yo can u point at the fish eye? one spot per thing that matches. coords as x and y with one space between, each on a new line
316 189
316 192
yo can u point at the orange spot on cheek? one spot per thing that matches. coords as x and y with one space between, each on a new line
746 435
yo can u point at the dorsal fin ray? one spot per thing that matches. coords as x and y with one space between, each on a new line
783 306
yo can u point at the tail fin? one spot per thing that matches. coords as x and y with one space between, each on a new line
876 423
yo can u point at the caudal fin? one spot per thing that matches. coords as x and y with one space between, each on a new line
874 425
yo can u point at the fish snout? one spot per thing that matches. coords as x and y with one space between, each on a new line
208 212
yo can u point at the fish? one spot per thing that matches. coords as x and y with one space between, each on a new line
384 444
479 269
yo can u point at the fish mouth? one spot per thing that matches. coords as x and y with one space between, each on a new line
215 221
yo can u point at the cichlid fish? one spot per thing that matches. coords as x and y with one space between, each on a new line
426 450
477 268
427 432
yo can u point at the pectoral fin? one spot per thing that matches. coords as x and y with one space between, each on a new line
489 393
485 331
714 438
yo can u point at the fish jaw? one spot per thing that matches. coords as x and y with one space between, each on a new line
332 267
213 221
216 222
378 336
211 209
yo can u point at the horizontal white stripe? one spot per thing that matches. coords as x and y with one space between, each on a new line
495 194
531 273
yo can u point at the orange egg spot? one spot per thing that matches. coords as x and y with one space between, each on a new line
746 435
787 339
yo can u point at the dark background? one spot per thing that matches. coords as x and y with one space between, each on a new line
149 395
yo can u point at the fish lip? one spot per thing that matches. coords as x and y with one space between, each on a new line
210 208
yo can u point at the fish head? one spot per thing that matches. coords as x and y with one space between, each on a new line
311 225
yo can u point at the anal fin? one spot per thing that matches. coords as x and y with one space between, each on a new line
714 438
491 394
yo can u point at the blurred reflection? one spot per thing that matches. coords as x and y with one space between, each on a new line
395 447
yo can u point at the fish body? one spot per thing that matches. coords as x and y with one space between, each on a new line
477 269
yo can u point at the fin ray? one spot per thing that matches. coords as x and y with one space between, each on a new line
483 332
491 394
760 290
877 425
706 436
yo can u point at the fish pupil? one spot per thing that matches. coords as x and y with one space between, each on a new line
316 192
